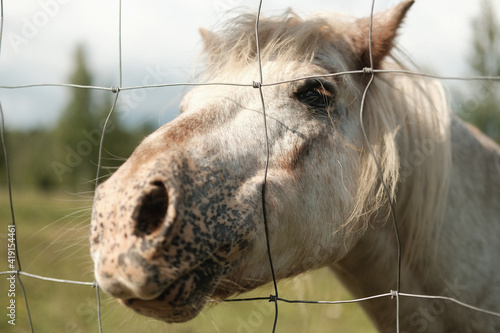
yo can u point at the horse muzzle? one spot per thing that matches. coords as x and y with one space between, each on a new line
164 234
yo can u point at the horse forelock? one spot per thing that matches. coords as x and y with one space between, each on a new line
281 38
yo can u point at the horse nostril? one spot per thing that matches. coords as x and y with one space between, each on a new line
151 209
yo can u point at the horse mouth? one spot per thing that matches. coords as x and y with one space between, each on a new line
181 300
162 308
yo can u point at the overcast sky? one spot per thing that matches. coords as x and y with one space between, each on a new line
160 44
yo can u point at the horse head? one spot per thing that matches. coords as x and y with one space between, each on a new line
185 219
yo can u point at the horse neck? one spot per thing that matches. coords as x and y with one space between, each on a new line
450 254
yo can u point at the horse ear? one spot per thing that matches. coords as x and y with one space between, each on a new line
384 30
207 36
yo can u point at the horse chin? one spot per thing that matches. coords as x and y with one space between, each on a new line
165 311
180 302
183 301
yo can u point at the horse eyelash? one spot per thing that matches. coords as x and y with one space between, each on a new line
323 101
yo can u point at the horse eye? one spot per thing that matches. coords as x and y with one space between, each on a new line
315 94
309 95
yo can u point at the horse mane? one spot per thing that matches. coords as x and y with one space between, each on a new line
407 118
412 116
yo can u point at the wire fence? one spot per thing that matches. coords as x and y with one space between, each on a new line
17 273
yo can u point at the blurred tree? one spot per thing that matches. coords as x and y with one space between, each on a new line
119 142
73 152
78 134
483 108
66 157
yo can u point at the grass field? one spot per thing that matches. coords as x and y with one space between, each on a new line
52 237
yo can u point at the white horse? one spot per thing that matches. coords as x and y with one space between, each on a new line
181 222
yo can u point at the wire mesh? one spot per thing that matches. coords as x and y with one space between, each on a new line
19 273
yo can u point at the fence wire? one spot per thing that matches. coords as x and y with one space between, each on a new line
393 294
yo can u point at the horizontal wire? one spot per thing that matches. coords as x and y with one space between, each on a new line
391 294
247 299
191 84
66 85
444 298
39 277
357 300
115 89
439 77
285 300
162 85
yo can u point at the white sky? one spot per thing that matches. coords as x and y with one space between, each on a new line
160 44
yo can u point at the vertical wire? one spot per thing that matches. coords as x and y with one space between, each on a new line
257 20
120 41
98 298
264 184
101 141
379 172
9 187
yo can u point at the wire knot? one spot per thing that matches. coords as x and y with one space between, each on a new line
115 89
394 294
256 84
368 70
273 298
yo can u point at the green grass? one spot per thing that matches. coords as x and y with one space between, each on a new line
52 234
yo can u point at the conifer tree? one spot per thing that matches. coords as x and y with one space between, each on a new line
74 150
483 107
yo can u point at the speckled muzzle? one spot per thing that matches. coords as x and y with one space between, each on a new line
165 232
